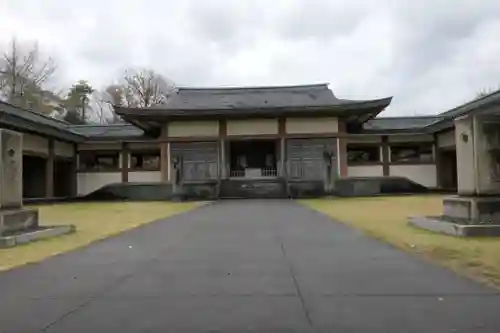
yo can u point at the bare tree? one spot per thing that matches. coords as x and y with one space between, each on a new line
24 72
141 88
100 108
486 91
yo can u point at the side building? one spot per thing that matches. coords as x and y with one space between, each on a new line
303 134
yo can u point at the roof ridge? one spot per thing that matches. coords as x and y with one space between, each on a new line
475 100
409 117
99 125
254 87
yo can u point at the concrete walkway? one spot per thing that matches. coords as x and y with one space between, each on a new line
243 266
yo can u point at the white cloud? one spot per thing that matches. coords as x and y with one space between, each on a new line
431 55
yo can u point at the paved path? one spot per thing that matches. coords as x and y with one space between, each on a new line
243 266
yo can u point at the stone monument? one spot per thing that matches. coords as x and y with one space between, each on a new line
478 154
13 217
475 210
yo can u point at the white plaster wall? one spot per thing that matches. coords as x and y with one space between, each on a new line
63 149
411 138
91 181
193 128
446 139
312 125
365 171
252 127
424 174
35 143
144 176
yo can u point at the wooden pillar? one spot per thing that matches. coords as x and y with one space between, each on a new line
282 137
74 171
342 149
165 154
385 156
222 149
49 171
125 161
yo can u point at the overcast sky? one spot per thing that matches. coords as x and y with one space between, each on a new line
429 54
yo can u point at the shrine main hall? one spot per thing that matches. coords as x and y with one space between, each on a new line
302 136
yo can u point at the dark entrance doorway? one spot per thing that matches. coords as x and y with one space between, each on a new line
63 178
34 176
448 169
253 158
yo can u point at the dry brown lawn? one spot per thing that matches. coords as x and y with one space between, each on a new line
385 218
93 221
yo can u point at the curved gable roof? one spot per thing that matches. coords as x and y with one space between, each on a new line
251 97
303 100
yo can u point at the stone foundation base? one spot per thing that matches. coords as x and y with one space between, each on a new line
13 220
464 216
34 235
472 210
441 225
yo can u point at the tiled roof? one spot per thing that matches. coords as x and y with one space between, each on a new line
237 98
31 115
252 97
13 116
107 131
400 123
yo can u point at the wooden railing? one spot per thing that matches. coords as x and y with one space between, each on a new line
269 172
264 172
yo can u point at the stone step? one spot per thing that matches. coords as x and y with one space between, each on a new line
262 188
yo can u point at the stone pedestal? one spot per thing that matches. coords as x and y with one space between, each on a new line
13 218
475 211
472 210
478 155
16 220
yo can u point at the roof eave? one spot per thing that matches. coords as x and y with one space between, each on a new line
394 131
22 124
337 109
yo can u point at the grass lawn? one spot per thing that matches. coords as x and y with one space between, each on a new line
385 219
93 221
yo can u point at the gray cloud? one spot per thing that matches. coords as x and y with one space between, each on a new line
429 54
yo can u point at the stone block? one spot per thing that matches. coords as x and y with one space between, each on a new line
443 226
477 210
434 224
18 220
11 169
262 188
369 186
306 189
457 207
31 236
